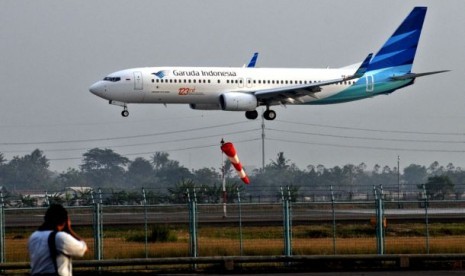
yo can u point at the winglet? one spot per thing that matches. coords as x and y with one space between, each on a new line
253 61
363 67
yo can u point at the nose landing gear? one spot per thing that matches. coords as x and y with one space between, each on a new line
125 111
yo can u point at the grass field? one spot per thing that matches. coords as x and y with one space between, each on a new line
118 242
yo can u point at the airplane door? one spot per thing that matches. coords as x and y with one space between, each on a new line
370 82
138 81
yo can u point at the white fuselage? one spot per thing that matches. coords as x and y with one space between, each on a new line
204 85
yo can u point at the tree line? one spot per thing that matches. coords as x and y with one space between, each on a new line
168 180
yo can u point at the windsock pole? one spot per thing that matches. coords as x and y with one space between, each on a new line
224 182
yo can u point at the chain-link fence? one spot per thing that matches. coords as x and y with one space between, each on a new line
331 227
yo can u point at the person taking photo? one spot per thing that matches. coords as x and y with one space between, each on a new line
52 246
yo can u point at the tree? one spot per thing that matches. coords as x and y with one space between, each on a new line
71 178
26 201
437 187
159 160
435 169
180 192
2 169
415 174
104 168
28 171
172 172
281 163
207 176
140 173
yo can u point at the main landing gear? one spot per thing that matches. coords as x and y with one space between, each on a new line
268 114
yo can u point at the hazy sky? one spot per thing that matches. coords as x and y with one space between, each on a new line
52 51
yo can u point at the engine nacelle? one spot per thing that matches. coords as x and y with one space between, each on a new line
205 106
236 101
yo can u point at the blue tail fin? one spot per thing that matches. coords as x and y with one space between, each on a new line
399 50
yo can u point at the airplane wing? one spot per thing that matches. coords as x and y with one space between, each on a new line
292 93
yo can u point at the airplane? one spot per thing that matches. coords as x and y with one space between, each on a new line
248 87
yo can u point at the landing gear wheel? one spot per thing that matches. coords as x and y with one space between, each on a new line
269 115
251 115
125 113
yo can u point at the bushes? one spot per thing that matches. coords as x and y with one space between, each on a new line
158 233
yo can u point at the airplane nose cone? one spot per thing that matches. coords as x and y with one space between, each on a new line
97 89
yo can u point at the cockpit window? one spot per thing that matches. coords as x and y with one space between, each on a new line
112 79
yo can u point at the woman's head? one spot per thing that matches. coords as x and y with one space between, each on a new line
55 216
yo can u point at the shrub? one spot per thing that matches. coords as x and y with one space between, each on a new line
159 233
162 233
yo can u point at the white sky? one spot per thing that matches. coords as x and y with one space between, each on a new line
52 51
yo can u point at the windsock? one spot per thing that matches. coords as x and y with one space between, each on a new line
230 151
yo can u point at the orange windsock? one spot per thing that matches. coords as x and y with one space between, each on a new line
230 151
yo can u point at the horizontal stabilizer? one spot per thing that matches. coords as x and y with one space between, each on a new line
416 75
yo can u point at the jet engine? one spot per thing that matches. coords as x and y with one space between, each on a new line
236 101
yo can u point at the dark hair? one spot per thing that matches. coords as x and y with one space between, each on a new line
56 215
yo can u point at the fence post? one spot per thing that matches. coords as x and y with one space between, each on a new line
426 218
192 205
379 219
289 216
2 229
334 219
145 222
240 221
47 200
286 223
98 228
